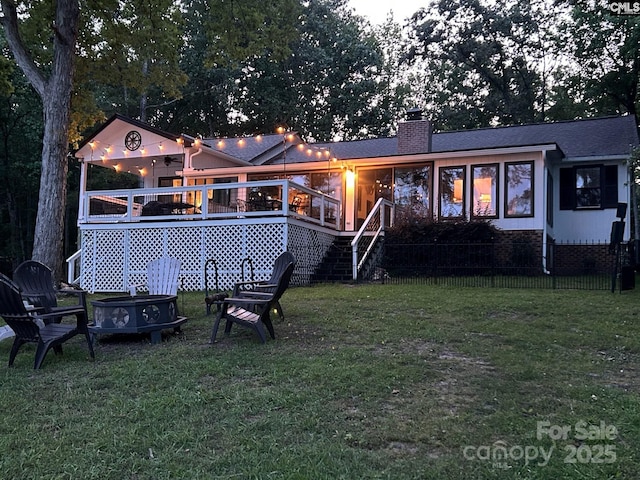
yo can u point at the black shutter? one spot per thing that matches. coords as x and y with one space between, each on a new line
567 189
610 186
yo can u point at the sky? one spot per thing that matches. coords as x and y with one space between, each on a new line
377 10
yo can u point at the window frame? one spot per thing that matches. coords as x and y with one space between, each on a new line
608 187
508 190
419 206
463 202
496 200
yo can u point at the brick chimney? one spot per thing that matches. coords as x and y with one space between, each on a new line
414 134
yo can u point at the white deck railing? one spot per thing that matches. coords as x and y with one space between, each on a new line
222 200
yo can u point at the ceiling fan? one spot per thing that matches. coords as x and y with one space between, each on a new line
169 160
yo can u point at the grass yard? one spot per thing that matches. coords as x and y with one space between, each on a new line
363 382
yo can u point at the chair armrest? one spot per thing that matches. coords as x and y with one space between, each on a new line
240 286
256 295
72 291
79 312
76 292
265 287
241 302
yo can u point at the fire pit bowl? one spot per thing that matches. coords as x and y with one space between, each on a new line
140 314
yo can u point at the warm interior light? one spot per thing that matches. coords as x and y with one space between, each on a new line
482 190
457 190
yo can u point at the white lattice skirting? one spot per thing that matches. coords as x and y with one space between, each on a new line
115 256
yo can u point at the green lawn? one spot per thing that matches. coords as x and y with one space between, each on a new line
363 382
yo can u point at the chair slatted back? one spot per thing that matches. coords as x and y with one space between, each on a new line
14 313
283 283
35 281
162 276
280 264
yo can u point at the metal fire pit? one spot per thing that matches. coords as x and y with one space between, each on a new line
147 313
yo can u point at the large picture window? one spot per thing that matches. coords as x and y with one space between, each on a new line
452 189
519 189
589 186
485 190
412 190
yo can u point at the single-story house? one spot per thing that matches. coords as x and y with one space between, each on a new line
225 206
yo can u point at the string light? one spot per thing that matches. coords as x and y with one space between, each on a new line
287 137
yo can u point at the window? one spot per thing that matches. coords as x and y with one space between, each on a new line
519 189
217 198
170 182
592 186
452 190
485 190
412 190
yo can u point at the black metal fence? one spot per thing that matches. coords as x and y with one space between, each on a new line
506 265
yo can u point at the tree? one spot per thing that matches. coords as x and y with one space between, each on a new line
129 51
331 86
487 63
20 148
53 83
605 49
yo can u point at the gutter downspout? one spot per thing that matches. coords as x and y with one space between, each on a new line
545 196
188 164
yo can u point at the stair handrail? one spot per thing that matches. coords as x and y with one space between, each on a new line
372 228
72 267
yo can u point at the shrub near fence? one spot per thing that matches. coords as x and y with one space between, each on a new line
500 264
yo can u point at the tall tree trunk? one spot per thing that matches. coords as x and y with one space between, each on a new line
55 90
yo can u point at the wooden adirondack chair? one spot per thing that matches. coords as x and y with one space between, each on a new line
249 289
36 327
162 277
35 281
253 312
